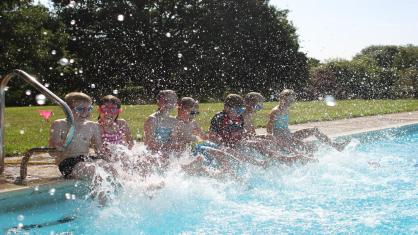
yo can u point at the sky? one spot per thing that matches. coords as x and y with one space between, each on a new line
330 29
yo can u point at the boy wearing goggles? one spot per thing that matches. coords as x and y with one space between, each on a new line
227 129
74 161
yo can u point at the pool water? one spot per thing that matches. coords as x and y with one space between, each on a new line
370 187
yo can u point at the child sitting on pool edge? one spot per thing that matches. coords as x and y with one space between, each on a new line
74 161
278 125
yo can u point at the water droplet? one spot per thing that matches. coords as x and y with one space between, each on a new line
22 132
20 217
36 188
76 184
40 99
115 92
72 22
168 34
80 71
330 100
61 74
121 17
6 88
73 197
28 92
46 84
63 61
76 72
20 225
54 52
51 191
67 196
45 33
185 68
50 68
179 55
71 61
72 4
93 85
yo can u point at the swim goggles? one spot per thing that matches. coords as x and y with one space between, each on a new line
239 110
81 108
258 107
194 113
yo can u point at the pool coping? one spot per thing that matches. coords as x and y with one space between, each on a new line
335 128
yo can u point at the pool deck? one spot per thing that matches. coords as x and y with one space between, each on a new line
41 170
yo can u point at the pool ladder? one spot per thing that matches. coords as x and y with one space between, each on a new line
32 81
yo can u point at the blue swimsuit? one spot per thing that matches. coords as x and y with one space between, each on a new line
162 134
281 125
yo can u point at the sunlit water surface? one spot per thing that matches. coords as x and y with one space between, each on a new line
370 187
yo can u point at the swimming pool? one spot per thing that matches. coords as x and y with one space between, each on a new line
371 187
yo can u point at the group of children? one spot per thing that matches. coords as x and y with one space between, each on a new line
231 140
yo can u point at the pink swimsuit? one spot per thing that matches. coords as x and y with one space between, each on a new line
117 137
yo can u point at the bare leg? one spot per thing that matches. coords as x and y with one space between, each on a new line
305 133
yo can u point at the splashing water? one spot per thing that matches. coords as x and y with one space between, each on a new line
40 99
63 61
330 100
52 191
341 193
72 4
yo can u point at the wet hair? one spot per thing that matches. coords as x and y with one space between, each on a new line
253 98
74 97
164 93
187 102
233 100
110 99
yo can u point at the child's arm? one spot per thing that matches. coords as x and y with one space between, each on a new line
272 117
149 127
197 131
55 135
127 133
97 139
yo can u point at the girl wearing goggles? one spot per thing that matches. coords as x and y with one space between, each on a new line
114 131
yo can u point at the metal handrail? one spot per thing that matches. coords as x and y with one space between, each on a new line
25 161
32 81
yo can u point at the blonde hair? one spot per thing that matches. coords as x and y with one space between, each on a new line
286 93
253 98
74 97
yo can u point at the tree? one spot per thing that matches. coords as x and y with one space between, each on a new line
200 48
29 34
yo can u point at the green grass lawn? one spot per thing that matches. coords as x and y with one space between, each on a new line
24 127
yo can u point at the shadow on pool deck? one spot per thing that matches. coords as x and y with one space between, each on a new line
41 170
